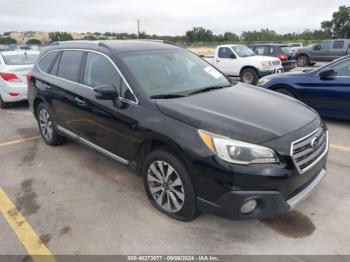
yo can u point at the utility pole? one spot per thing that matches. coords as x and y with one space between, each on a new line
138 28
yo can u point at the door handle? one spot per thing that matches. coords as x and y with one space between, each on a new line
80 102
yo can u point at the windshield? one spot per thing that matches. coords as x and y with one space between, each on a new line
164 72
243 51
20 59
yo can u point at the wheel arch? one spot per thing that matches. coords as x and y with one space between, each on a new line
249 67
37 101
284 86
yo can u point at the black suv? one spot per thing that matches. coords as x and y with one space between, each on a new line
283 52
200 141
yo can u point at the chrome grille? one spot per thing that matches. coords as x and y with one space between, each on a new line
307 151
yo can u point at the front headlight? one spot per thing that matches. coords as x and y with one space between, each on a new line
266 64
237 152
263 81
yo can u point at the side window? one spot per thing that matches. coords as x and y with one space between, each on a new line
343 68
100 71
69 67
54 68
260 50
338 44
47 60
225 52
325 45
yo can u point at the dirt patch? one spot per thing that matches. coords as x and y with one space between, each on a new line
26 200
65 230
45 238
27 132
293 224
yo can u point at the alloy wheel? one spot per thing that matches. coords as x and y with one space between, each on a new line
165 186
248 77
45 124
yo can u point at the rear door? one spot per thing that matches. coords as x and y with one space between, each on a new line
338 49
102 122
59 84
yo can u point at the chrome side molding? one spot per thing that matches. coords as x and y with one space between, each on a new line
92 145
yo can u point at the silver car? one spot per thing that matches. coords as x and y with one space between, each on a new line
14 66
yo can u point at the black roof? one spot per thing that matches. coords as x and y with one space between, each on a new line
119 46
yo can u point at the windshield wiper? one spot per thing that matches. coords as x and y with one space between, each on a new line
166 96
209 88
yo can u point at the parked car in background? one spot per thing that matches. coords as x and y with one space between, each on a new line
323 51
14 65
295 47
326 89
200 141
283 52
240 61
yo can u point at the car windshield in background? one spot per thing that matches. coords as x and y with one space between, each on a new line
172 72
243 51
20 59
286 50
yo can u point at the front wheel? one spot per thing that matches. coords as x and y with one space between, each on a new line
249 76
302 61
46 126
168 185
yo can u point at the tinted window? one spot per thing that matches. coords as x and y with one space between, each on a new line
338 44
225 52
343 68
100 71
46 61
54 68
260 50
70 63
286 50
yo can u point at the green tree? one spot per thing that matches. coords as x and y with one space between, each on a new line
340 23
7 41
33 41
199 34
89 37
60 36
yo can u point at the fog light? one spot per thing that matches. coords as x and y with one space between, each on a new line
248 206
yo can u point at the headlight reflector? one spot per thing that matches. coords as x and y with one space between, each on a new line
263 81
266 64
237 152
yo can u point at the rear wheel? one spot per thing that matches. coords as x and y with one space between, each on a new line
285 91
47 127
302 61
249 76
3 104
168 185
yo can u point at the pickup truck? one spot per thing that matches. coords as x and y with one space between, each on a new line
323 51
240 61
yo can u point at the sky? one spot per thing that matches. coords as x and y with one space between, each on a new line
165 17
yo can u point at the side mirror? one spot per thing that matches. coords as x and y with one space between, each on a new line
106 92
232 56
317 47
328 73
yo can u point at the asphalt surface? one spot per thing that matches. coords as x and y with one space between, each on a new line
80 202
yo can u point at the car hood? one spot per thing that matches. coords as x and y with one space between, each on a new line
241 112
260 58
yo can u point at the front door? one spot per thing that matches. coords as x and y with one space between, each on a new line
102 122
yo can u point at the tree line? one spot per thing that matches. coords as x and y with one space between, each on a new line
337 27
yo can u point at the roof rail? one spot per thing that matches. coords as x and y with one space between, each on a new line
75 42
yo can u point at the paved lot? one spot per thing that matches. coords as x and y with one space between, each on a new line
80 202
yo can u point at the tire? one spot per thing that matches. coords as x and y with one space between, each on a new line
160 187
47 126
3 104
249 76
285 91
303 61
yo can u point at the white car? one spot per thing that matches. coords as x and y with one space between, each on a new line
14 66
240 61
295 47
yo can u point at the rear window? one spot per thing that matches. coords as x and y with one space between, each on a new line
286 50
70 63
46 61
20 59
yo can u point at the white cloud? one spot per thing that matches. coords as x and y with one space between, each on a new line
162 17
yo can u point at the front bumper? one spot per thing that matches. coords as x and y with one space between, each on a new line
270 203
265 72
289 65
